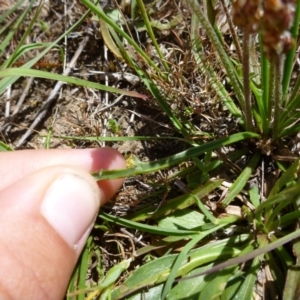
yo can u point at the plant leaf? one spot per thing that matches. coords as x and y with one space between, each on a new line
47 75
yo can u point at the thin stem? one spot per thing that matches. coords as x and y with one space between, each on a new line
265 83
271 90
232 31
277 95
246 79
151 34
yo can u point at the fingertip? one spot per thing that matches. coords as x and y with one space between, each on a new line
114 161
109 159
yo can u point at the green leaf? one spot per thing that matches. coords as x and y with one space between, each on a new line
5 147
246 282
114 273
84 266
6 81
184 219
216 283
254 196
47 75
145 227
189 289
147 167
181 257
242 180
178 203
153 293
288 177
158 271
292 283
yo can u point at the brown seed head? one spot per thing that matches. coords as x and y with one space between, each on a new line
247 14
278 18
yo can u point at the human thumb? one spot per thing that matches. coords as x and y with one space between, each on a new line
45 219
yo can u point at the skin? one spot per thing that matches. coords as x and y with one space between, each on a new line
36 262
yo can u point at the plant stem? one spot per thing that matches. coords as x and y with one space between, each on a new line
271 89
246 79
151 34
232 31
277 95
226 62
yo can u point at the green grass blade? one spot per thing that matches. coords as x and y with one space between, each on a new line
288 195
145 227
265 82
254 196
291 130
216 283
114 273
5 82
258 94
283 221
20 52
291 175
48 138
252 254
4 16
292 283
241 285
178 203
118 138
30 26
146 167
5 147
84 267
188 289
151 33
14 28
165 107
72 288
182 256
295 91
288 116
47 75
242 180
204 210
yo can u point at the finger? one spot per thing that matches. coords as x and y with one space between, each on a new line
21 163
45 219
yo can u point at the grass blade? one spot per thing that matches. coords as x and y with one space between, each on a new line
5 82
151 34
242 180
178 203
145 227
182 256
47 75
147 167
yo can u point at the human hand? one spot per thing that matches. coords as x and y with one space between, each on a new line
48 205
